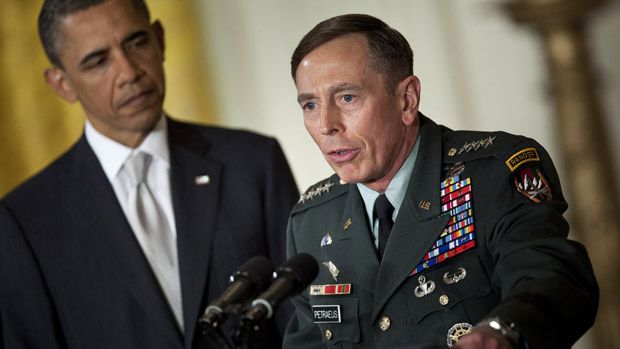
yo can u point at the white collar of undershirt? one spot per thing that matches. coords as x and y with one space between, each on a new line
112 154
397 188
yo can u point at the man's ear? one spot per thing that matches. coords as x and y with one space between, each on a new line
409 93
56 79
159 34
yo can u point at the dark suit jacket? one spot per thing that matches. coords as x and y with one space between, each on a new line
72 275
522 267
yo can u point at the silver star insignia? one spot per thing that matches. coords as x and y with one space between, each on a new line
315 192
475 145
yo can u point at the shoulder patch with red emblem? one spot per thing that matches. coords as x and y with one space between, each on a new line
527 175
531 182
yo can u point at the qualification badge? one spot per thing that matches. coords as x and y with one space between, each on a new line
457 331
425 288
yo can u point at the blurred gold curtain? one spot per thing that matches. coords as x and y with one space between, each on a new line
37 126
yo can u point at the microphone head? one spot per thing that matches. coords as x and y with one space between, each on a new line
302 268
257 270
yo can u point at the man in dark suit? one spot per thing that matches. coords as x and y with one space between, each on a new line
123 241
424 235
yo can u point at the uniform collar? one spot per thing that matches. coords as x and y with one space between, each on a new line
397 188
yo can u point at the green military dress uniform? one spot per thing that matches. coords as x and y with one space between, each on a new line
440 272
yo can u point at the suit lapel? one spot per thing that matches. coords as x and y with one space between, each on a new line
95 216
418 225
195 207
352 241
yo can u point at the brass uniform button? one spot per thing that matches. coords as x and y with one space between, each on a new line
328 334
384 323
444 299
452 152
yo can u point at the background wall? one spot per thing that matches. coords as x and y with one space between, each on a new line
478 69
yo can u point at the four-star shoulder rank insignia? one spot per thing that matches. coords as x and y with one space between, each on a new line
478 144
315 192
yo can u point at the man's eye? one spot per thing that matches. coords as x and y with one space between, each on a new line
347 98
138 42
94 63
309 106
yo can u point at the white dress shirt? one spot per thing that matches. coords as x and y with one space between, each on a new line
112 155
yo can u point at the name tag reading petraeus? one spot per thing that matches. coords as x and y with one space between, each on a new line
326 314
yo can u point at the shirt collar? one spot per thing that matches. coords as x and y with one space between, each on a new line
112 154
397 188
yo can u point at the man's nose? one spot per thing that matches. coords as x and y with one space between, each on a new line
330 120
128 69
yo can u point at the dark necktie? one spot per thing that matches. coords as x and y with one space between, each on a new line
383 212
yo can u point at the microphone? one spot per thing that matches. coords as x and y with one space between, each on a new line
290 278
252 277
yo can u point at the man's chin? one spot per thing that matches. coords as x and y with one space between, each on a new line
346 176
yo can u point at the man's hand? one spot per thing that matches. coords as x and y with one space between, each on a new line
483 337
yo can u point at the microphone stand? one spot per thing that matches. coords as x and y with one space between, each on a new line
243 333
248 325
216 334
214 329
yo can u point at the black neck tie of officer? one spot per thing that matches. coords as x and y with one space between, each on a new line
383 211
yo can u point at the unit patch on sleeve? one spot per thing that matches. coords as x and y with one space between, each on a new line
458 236
521 157
531 182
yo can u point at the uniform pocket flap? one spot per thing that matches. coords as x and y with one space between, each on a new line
446 286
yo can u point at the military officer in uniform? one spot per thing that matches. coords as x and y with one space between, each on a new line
424 235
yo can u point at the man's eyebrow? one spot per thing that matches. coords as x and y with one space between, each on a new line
332 90
135 35
342 87
304 96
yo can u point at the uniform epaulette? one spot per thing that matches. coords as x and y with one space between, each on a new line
320 192
459 146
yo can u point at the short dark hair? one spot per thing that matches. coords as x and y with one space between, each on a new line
389 51
53 11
